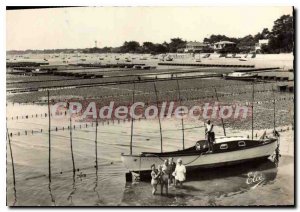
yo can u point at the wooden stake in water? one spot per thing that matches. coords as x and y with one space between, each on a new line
274 124
96 146
12 164
252 108
221 117
131 135
49 132
161 141
71 145
182 124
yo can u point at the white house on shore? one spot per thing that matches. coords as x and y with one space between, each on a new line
260 44
195 47
222 44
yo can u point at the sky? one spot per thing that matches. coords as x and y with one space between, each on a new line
112 26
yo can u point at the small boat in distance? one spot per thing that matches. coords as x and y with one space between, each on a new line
143 58
39 71
240 76
169 59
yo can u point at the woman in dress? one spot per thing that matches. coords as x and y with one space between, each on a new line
180 172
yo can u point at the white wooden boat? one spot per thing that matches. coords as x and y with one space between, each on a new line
226 151
39 71
240 76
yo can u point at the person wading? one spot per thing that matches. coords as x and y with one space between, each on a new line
171 167
180 173
155 178
164 177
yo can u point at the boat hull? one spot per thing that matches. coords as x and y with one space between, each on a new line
138 163
250 78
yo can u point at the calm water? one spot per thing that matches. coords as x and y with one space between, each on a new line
107 186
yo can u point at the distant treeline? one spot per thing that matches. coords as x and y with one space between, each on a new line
281 40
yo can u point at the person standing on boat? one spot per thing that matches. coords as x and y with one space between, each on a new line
180 172
155 178
165 177
172 167
210 134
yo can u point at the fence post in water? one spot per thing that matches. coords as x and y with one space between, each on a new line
49 132
274 110
161 142
131 134
252 108
12 163
182 125
71 145
96 146
221 117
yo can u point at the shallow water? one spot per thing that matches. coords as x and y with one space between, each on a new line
106 185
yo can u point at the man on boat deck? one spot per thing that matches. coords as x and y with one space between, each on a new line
210 134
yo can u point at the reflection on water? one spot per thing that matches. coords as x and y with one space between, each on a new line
73 190
51 195
213 183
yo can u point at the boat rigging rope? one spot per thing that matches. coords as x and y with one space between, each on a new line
198 156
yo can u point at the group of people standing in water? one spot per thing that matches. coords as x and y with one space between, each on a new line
167 174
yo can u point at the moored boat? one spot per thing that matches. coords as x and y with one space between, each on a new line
226 151
223 151
240 76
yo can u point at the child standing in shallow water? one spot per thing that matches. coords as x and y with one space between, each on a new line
155 178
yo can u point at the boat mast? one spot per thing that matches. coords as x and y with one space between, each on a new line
132 119
221 117
182 124
161 141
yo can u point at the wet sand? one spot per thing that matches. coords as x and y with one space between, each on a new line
107 186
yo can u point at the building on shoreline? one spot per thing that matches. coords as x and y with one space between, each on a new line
223 44
261 43
196 47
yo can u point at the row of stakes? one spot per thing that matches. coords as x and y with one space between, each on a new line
86 126
146 104
68 127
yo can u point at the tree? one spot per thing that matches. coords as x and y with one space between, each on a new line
265 34
130 46
265 49
148 47
246 41
160 48
217 38
176 43
282 36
